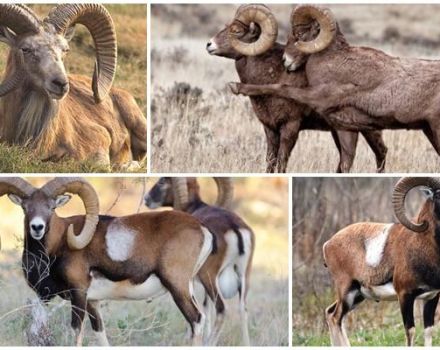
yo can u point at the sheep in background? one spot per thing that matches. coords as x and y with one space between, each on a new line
226 271
260 61
380 261
63 115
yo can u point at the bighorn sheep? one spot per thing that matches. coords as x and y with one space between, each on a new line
377 91
388 262
258 60
88 258
226 272
60 115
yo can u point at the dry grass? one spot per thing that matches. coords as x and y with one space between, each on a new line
263 203
130 23
218 132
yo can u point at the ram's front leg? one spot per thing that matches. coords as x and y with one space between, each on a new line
321 97
79 305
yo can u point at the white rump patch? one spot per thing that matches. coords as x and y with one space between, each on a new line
119 240
375 246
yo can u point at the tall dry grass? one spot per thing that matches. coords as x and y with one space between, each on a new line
204 128
262 202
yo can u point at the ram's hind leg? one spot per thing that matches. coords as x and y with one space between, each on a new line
429 308
377 145
210 284
348 298
346 142
183 295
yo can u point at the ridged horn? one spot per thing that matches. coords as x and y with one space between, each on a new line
100 25
20 19
88 195
261 15
225 191
401 189
180 192
304 14
17 186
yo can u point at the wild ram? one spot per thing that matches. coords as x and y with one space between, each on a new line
250 41
226 272
388 262
63 115
377 91
88 258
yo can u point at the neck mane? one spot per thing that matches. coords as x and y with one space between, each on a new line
27 113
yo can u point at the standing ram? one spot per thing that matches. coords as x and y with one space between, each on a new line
258 60
60 115
88 258
387 261
226 272
378 91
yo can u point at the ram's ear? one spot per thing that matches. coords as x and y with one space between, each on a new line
427 192
7 36
62 200
15 199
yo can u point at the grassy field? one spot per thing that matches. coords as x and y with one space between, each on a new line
322 207
198 125
263 203
130 24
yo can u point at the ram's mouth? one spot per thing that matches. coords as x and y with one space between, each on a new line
56 95
211 51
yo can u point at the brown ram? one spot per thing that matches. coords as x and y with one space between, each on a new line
377 91
282 118
379 261
63 115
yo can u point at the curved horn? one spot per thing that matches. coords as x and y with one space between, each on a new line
401 189
180 192
304 14
90 199
20 19
269 29
225 191
100 25
15 185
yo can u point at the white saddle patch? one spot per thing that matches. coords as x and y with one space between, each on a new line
375 246
119 240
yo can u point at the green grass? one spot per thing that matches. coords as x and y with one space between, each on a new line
370 324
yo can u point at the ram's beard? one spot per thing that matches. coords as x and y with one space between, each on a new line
37 112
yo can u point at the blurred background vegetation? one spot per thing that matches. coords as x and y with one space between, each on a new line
321 207
261 202
131 74
196 121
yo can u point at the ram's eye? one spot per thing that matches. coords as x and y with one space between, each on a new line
26 50
66 50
